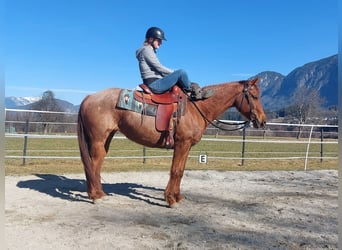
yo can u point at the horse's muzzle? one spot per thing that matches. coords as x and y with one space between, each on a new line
258 122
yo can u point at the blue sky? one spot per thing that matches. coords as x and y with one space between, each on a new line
76 47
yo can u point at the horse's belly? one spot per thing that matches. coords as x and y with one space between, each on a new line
142 130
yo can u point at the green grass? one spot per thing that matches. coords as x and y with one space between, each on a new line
126 148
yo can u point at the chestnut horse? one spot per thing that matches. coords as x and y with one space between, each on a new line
99 119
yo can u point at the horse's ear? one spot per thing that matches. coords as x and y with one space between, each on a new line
255 80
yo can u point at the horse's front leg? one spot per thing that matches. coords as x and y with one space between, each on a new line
180 155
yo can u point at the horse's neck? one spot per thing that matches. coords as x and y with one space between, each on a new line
223 99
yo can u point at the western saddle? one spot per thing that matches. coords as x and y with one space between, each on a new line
170 106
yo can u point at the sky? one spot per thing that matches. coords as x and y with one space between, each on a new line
77 47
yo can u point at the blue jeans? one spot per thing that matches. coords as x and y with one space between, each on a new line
164 84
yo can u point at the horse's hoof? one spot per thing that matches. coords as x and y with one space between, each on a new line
100 200
179 198
173 205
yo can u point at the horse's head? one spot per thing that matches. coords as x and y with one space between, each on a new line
249 103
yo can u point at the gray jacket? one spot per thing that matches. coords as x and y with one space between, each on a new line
149 65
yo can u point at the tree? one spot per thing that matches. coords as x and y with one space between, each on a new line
306 105
47 103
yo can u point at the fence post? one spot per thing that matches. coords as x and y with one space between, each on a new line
307 148
243 146
144 154
25 141
322 144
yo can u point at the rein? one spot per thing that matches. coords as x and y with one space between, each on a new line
245 124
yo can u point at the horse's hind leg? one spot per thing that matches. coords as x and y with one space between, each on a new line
98 154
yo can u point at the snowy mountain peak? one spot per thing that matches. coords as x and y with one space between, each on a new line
14 102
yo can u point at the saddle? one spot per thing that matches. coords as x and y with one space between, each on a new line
170 106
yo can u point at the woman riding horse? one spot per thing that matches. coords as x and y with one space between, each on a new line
158 77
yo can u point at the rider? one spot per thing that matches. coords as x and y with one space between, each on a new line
158 77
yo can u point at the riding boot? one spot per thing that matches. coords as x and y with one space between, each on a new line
197 93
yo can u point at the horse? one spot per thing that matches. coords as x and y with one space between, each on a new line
99 119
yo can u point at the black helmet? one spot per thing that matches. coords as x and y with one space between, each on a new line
155 32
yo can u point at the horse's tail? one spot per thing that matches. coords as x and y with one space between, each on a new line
83 143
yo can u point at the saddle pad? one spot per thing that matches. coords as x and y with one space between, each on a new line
127 101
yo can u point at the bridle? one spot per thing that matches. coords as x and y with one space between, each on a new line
246 95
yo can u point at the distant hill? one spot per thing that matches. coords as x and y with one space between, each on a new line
15 102
27 102
277 90
270 83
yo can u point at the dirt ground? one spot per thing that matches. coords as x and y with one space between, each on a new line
222 210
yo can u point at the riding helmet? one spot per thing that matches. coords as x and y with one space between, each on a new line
155 32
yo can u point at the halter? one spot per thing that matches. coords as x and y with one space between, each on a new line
246 94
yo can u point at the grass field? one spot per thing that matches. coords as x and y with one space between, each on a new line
131 155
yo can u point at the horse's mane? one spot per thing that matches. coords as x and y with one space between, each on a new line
219 85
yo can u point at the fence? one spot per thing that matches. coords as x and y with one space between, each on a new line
323 135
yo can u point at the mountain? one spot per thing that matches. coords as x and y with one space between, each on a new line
27 102
269 84
277 90
15 102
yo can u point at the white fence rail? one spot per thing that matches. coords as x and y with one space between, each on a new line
308 141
